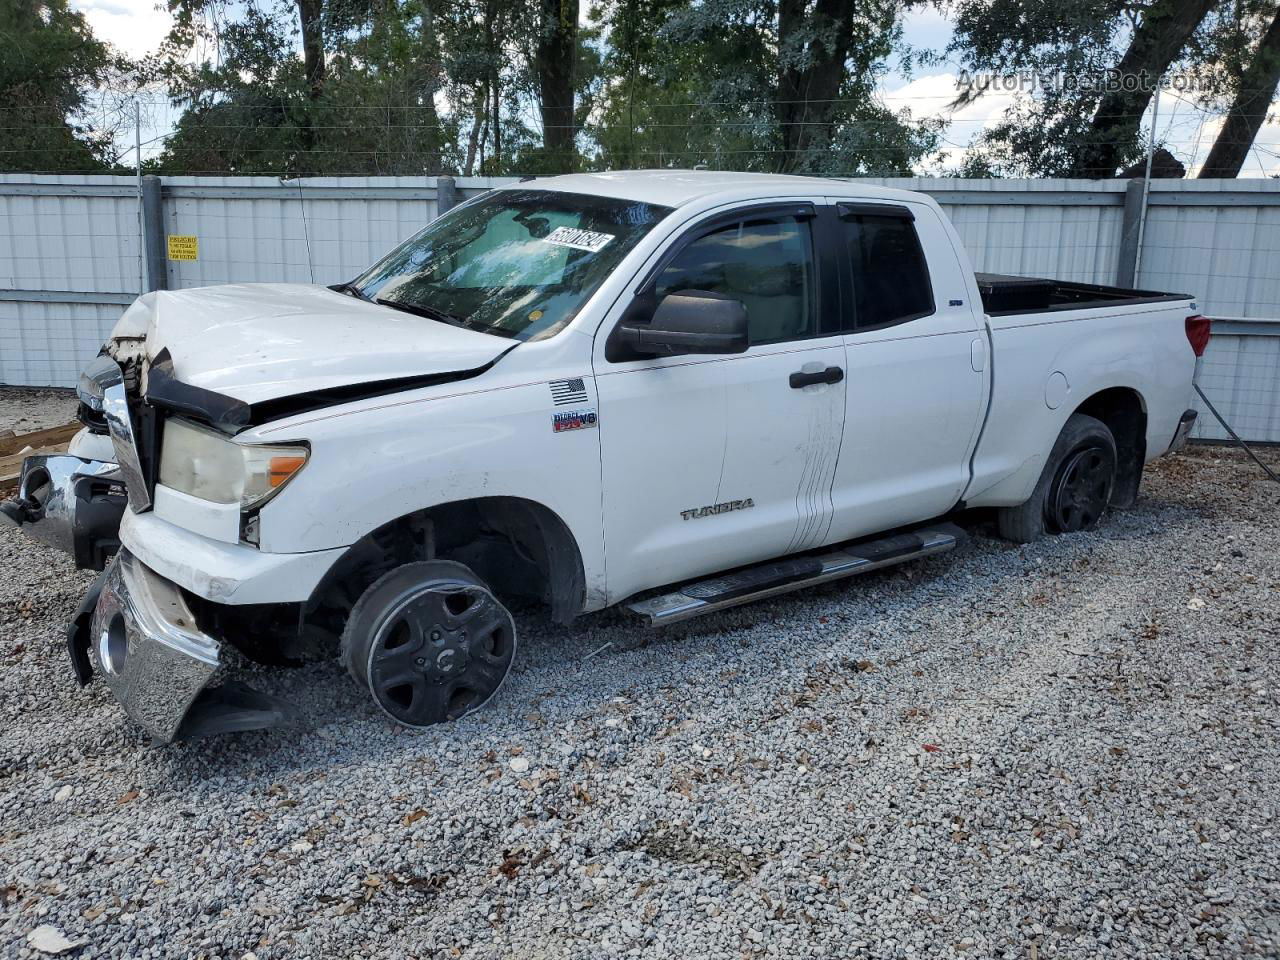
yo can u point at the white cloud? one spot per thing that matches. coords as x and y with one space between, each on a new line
134 27
930 98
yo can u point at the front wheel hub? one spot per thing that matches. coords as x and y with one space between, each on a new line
441 650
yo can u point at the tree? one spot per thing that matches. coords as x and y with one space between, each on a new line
1256 92
1161 33
744 84
1099 61
363 103
50 58
554 63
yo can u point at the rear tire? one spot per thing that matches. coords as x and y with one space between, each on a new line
430 642
1074 489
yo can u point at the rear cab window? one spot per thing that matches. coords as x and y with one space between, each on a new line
886 266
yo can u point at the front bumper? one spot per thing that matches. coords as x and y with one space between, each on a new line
72 504
143 639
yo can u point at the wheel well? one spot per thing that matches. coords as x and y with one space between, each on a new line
1122 410
520 548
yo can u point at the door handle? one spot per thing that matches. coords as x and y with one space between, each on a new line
830 375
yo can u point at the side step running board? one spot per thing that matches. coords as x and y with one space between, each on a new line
792 573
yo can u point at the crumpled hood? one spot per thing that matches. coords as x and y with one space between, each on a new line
260 341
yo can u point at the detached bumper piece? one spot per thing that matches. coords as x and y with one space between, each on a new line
794 573
142 638
1185 423
70 504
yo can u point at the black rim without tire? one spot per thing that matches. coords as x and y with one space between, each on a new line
1083 489
441 651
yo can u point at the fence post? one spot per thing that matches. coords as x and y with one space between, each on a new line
1130 231
153 234
446 194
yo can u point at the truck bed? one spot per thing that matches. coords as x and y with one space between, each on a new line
1004 295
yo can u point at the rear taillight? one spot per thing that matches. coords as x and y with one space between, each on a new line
1198 332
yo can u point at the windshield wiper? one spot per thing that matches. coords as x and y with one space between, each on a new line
351 289
421 310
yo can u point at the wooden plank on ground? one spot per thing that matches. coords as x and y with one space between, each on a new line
12 443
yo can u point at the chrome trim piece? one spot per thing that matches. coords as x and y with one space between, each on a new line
677 605
144 641
48 490
115 406
1183 431
97 375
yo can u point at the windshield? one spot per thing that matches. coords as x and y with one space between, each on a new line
515 263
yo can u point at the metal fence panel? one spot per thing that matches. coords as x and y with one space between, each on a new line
77 233
1241 376
313 230
47 343
1218 240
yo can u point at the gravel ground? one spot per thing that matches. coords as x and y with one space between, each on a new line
1061 750
23 409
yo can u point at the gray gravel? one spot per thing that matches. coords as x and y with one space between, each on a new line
24 409
1062 750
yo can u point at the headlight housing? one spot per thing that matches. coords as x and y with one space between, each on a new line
89 390
206 464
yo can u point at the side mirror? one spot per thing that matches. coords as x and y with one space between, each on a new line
691 321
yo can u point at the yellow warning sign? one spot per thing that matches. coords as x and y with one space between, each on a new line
183 248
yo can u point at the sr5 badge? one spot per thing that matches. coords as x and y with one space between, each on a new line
573 420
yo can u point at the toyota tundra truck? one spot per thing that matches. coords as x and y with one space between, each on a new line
672 390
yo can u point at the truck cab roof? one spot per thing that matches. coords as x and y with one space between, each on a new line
674 188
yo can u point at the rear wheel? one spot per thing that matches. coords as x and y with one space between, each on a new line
1074 488
430 642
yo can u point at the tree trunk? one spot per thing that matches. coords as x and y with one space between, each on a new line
1248 110
1158 40
492 49
431 160
497 123
480 114
810 78
554 65
310 16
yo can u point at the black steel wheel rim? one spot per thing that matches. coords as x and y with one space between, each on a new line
1083 489
440 652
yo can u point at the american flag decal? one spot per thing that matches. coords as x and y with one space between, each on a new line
568 391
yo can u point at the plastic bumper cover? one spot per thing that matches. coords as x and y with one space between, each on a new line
231 573
71 504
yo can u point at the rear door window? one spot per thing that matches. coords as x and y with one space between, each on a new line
891 282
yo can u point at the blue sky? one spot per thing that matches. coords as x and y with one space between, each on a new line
137 27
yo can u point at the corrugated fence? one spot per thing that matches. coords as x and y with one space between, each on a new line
74 251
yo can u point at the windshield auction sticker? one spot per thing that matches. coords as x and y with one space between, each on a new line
578 239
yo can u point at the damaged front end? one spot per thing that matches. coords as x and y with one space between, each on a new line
134 628
73 502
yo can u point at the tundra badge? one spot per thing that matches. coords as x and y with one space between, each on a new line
715 508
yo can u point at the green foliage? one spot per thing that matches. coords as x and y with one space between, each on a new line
698 83
49 58
1065 43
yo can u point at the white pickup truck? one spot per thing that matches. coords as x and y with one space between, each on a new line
677 391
